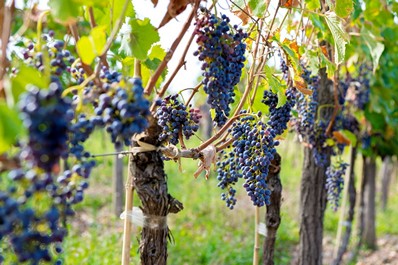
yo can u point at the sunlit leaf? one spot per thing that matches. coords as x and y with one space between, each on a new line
376 48
313 4
64 11
340 37
143 36
344 8
85 50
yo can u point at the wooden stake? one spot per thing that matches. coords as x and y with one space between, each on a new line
128 207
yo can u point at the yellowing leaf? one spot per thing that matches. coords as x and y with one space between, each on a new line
301 85
243 14
98 37
344 8
85 50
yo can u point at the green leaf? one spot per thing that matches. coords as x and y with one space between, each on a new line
340 37
10 127
25 76
85 49
155 57
376 48
64 11
344 8
330 67
316 20
117 8
275 85
143 36
313 4
257 7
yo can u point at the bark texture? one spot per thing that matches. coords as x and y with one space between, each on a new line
369 232
273 216
352 194
386 173
313 193
150 182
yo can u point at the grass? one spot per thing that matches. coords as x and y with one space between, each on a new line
205 232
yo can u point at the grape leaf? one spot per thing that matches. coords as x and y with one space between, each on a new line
275 85
344 8
376 48
340 37
258 7
117 8
26 75
143 35
89 47
64 11
85 50
10 127
313 4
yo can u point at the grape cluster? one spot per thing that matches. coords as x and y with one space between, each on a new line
46 116
279 116
174 119
335 183
361 85
221 49
253 151
32 233
60 58
121 107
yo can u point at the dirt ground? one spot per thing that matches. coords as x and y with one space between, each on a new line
386 253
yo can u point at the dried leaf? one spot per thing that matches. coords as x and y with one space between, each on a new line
175 8
293 45
340 138
154 2
289 3
325 51
301 85
243 14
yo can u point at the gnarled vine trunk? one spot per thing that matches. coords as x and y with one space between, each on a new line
273 215
313 192
150 183
386 173
369 228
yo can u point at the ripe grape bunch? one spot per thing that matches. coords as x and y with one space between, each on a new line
122 107
45 115
279 116
221 49
335 183
175 120
252 153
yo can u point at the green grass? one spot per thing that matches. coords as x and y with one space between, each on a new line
205 232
